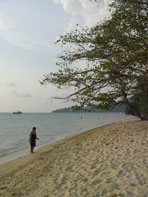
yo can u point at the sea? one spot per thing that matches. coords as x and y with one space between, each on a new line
51 127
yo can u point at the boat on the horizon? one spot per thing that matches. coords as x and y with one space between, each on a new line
17 112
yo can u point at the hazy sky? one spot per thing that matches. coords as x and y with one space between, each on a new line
28 29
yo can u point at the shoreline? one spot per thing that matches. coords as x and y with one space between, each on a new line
110 159
26 150
41 148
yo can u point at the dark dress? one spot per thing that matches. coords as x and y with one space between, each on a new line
33 140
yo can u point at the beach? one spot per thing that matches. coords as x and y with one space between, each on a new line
108 161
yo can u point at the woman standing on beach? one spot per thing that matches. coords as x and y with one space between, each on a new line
32 139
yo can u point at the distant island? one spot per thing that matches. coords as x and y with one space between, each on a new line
67 110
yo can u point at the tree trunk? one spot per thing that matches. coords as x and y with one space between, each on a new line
135 111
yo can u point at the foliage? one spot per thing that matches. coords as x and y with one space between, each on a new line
115 57
139 101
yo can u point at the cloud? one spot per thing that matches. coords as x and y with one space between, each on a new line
24 29
5 22
11 84
71 24
88 10
57 1
21 40
20 95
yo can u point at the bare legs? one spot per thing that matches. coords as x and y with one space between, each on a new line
31 149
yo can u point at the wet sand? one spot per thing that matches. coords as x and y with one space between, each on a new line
109 161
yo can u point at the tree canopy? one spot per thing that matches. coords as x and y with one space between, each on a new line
108 63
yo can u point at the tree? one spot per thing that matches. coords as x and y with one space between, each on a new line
139 101
115 54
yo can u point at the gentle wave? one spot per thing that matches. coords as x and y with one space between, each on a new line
15 129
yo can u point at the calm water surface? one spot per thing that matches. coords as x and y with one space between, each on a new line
15 129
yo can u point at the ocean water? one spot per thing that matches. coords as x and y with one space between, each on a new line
51 127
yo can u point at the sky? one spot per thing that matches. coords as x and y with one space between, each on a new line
28 30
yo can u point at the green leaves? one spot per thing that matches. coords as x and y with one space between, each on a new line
108 61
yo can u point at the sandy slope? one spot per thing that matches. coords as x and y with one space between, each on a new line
111 160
